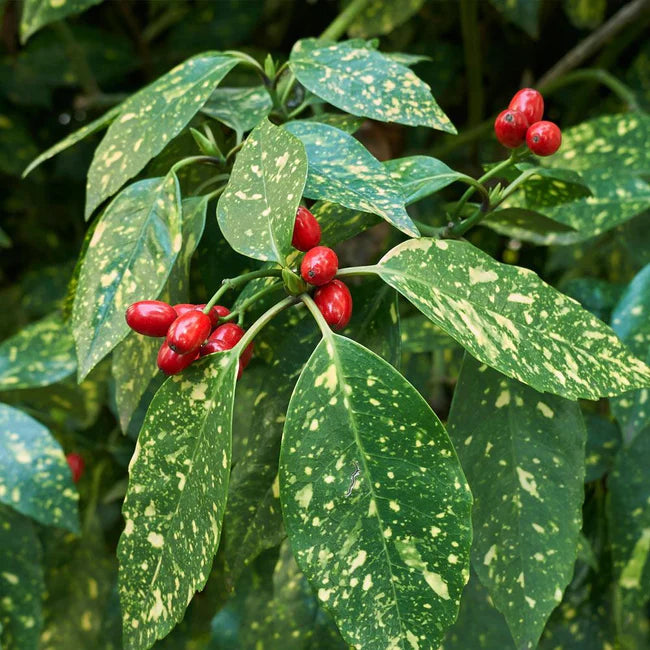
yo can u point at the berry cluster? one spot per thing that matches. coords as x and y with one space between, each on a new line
522 122
318 268
189 333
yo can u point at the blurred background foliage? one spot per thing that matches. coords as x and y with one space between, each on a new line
57 75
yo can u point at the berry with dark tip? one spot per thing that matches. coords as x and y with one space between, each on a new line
150 317
544 138
510 128
335 303
189 331
217 312
319 265
171 363
306 230
529 102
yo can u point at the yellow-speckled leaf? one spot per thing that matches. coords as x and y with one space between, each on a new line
129 258
362 81
134 360
38 13
374 500
380 17
38 355
523 453
257 211
178 483
507 317
21 582
242 109
343 171
149 120
34 476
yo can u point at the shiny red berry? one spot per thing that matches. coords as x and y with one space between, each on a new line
335 303
188 332
544 138
510 128
171 363
150 317
247 355
215 313
210 347
229 333
319 265
77 465
219 345
184 307
529 102
306 230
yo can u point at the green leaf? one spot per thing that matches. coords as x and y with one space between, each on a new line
340 224
129 258
149 120
631 323
629 520
241 109
389 561
134 360
38 13
257 210
379 17
420 176
551 186
74 137
342 170
21 582
528 225
39 355
603 442
524 457
523 13
5 242
507 317
419 335
35 478
585 14
348 123
178 482
362 81
598 296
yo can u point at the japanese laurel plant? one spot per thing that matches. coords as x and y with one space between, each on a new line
340 462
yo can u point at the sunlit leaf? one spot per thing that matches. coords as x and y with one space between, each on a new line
380 17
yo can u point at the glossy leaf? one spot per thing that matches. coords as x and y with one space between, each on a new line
508 318
340 224
35 478
129 258
419 335
362 81
242 109
631 322
134 360
343 171
379 17
388 561
629 520
149 120
257 211
38 13
348 123
603 442
178 482
21 582
523 453
38 355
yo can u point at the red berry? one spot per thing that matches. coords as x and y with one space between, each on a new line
319 265
76 463
229 333
210 347
510 128
150 317
335 303
247 355
529 102
215 313
306 231
184 307
188 331
220 345
171 363
544 138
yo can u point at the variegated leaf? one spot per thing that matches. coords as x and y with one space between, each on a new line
178 482
38 13
523 453
507 317
380 17
257 211
38 355
129 258
242 109
362 81
374 501
149 120
343 171
34 475
21 582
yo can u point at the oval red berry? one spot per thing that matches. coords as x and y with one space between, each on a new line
188 332
228 333
510 128
335 303
184 307
150 317
171 363
306 230
319 265
544 138
77 465
217 312
210 347
529 102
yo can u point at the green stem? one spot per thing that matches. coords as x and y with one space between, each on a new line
428 230
190 160
471 45
477 185
299 109
514 186
461 228
250 62
210 181
233 283
252 331
357 270
215 193
234 150
241 309
318 317
340 24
